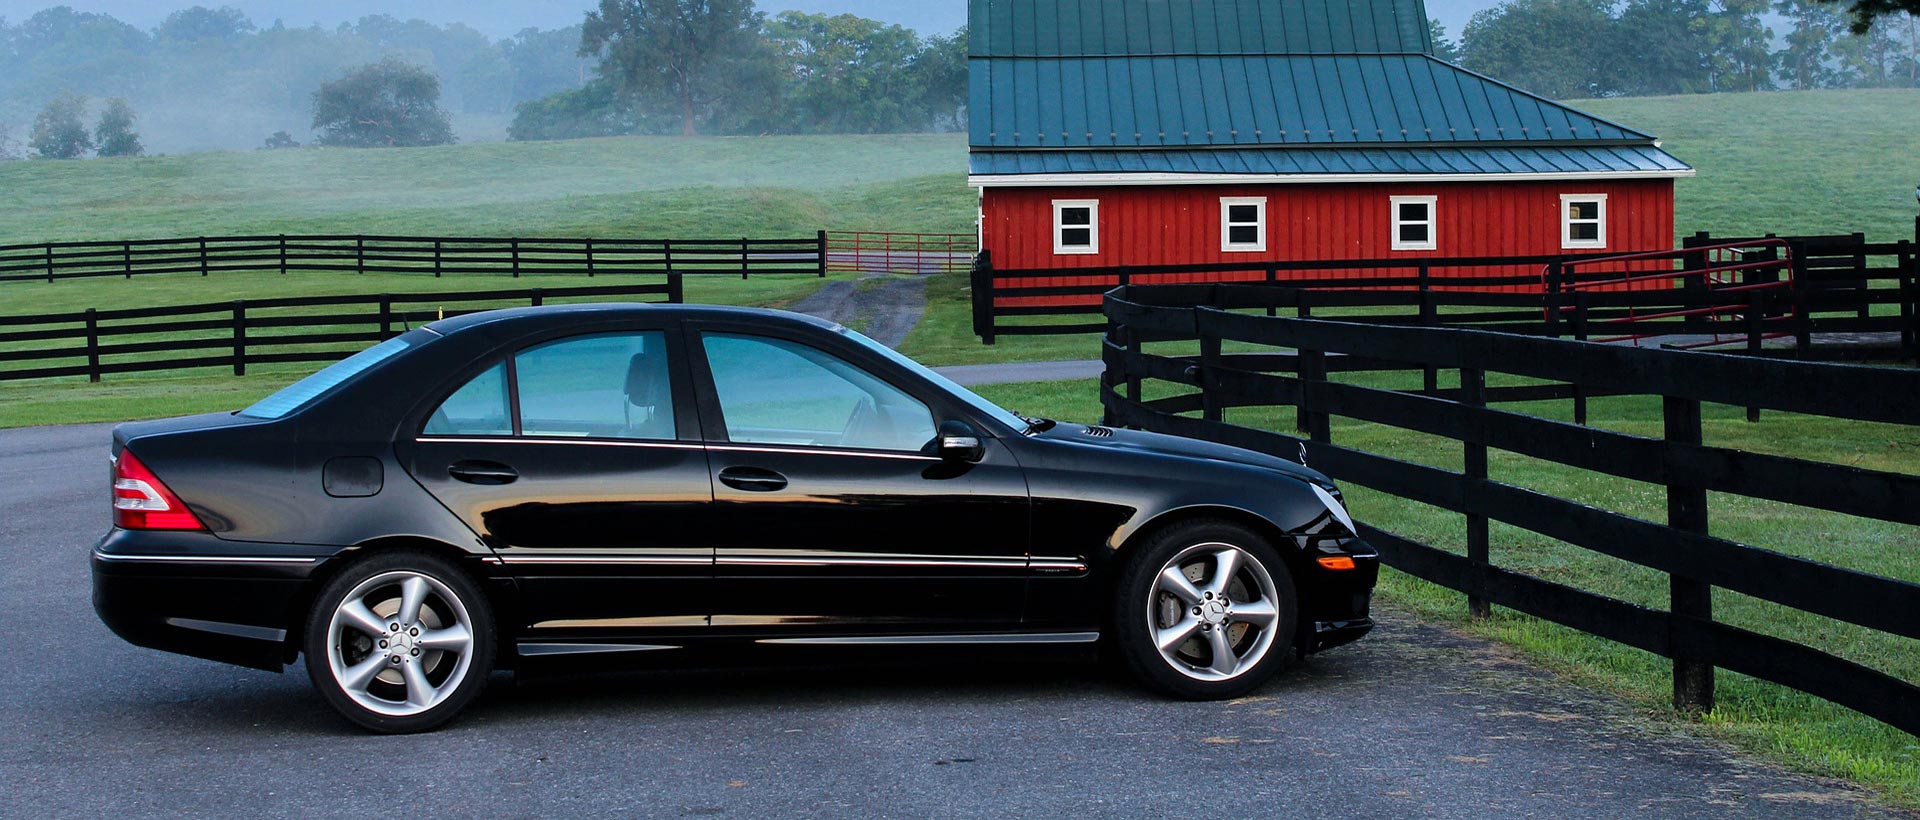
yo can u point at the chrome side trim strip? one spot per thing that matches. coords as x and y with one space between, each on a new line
550 649
657 445
877 561
1051 564
202 559
803 450
659 560
888 640
258 633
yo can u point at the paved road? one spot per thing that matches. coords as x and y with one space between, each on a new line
1413 722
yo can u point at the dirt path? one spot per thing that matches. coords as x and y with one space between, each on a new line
883 307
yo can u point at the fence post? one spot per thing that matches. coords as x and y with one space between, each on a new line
537 298
1273 279
675 288
821 239
666 250
1210 409
283 254
386 316
239 337
589 258
982 292
1689 599
513 246
203 256
1582 301
1556 281
93 345
1473 393
49 263
1802 318
1429 316
436 258
1754 307
1909 295
126 258
743 257
360 254
1860 267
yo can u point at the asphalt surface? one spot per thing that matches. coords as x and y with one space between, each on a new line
1414 721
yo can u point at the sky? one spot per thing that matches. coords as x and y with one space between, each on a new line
502 18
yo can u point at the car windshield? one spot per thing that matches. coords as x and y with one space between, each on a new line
972 399
300 393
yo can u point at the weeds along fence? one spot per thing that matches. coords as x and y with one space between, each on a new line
1747 290
1248 362
243 332
427 256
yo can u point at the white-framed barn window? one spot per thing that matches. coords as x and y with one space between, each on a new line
1243 223
1076 226
1583 220
1413 223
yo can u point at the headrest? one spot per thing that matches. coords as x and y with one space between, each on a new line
644 372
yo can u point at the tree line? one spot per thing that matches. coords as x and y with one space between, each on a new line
1601 48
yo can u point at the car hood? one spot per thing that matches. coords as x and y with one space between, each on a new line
1175 446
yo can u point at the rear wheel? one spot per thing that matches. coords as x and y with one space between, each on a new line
400 642
1205 610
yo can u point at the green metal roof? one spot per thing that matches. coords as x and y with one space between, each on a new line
1370 160
1093 28
1147 75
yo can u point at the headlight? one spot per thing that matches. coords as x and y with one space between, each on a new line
1334 506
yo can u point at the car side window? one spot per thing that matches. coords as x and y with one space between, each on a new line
478 408
774 391
612 385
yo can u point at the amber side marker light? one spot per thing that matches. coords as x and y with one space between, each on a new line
1335 561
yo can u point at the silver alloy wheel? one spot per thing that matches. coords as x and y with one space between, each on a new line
400 643
1212 611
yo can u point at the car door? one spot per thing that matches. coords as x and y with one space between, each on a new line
579 460
831 512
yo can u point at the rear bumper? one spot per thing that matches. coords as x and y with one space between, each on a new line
194 594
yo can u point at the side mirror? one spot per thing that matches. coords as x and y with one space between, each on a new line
960 442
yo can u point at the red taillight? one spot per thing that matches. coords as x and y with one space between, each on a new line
142 502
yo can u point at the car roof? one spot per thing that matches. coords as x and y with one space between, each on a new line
550 315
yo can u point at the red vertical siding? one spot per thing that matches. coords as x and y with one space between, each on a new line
1180 224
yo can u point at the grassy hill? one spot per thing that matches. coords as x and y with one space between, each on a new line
635 186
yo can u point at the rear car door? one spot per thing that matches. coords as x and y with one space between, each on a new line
831 512
578 460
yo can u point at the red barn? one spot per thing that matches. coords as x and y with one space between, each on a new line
1156 132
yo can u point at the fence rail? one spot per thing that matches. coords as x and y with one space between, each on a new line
429 256
235 334
1293 369
1835 284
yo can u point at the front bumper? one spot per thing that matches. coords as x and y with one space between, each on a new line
1336 604
197 595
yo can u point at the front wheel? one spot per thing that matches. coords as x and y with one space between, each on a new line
399 642
1205 610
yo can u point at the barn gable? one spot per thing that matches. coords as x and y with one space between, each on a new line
1163 91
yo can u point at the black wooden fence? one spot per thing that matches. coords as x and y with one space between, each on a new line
1294 370
241 332
431 256
1830 284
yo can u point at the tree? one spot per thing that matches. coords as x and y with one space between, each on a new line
1443 48
594 110
9 150
545 62
1807 58
58 132
1865 12
940 72
278 140
850 75
191 25
114 133
1559 48
390 103
1692 47
687 51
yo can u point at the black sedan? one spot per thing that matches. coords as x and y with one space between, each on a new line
625 482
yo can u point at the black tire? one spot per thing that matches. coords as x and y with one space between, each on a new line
1140 608
450 597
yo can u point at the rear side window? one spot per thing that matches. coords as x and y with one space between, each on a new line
477 409
611 385
301 393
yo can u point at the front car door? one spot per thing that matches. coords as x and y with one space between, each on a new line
832 515
578 460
